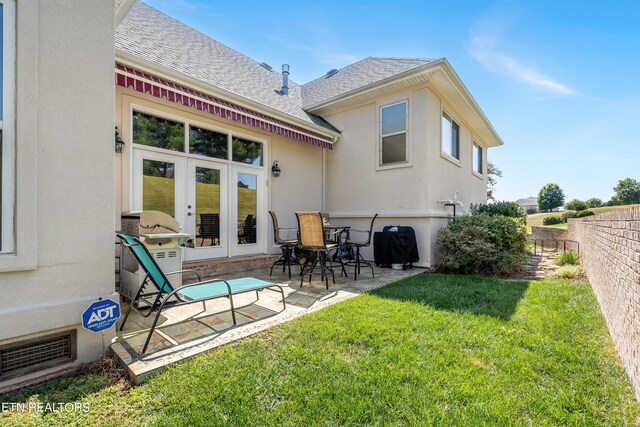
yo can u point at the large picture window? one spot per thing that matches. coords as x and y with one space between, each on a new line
7 141
450 136
393 134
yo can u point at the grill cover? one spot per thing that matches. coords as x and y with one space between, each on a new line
395 247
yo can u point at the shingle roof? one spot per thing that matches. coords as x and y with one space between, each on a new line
356 76
153 36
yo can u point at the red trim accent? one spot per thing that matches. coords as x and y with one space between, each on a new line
131 77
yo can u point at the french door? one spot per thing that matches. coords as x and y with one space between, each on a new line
207 209
222 205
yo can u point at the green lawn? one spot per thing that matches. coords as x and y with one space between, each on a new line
428 350
536 219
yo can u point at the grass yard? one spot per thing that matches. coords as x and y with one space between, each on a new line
536 219
428 350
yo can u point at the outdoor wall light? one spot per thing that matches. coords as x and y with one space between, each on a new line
275 169
119 142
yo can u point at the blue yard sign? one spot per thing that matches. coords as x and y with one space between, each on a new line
101 315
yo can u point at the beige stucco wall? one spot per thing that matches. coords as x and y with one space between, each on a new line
406 195
299 187
64 179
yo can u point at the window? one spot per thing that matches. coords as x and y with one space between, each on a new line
246 151
477 158
7 142
450 136
393 134
156 132
208 143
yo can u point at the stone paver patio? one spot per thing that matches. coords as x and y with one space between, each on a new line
186 331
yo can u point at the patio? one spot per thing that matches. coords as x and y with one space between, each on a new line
186 331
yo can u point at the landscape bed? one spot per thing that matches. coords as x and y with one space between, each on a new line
430 349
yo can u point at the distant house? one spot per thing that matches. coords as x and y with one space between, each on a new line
529 204
203 127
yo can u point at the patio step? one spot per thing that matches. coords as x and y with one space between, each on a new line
217 267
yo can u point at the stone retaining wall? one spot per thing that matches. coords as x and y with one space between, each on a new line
554 238
610 250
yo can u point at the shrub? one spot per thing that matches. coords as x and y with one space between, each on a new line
569 272
508 209
551 220
575 205
483 243
582 214
567 258
567 214
532 211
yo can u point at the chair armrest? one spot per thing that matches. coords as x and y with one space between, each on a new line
185 271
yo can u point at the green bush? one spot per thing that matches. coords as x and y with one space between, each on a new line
567 258
552 220
508 209
531 211
576 205
568 214
483 243
569 272
582 214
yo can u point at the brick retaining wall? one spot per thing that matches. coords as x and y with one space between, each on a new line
610 250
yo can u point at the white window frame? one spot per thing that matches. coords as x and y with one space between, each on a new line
407 162
7 126
474 161
443 153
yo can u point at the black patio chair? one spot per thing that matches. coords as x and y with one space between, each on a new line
209 228
287 258
358 260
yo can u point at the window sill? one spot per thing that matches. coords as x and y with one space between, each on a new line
477 175
450 158
394 166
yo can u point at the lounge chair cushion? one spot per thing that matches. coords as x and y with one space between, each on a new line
215 289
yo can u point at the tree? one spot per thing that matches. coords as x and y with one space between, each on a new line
550 197
594 202
493 173
627 192
576 205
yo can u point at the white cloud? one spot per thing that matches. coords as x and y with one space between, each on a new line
484 49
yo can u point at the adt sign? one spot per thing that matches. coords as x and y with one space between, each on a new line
101 315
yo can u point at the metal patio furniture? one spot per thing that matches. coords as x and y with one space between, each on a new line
161 291
358 260
313 238
209 228
287 258
247 233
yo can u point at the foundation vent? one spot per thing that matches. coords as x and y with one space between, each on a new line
35 354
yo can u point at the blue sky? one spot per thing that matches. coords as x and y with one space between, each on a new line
559 80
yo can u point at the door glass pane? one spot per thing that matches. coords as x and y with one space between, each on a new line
156 132
394 118
158 186
207 207
247 208
208 143
246 151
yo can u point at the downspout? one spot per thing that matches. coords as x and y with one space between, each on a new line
324 180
